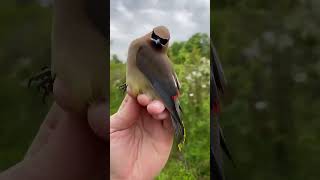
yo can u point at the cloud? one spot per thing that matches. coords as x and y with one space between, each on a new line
132 19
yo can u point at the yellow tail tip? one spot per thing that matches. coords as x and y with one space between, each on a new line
180 145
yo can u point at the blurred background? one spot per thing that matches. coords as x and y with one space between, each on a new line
188 22
25 32
270 52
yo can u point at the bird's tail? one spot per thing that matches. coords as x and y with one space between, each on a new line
172 104
177 123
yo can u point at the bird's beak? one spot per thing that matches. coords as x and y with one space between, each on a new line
156 41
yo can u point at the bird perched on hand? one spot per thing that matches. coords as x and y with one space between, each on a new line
149 71
218 144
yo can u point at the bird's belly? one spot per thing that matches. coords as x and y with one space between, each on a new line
138 84
87 83
79 56
79 60
84 82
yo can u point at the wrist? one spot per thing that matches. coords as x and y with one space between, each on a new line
117 177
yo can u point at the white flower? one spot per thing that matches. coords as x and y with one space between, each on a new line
198 74
191 94
261 105
300 77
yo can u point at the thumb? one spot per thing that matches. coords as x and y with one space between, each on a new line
98 119
128 113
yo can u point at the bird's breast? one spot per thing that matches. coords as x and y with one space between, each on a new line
79 59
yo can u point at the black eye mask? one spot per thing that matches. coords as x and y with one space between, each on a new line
162 41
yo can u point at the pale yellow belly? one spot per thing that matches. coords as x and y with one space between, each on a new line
139 84
79 60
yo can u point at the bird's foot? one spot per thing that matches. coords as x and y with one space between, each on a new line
43 81
123 87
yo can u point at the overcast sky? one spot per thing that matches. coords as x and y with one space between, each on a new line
130 19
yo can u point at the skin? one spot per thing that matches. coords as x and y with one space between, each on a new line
145 138
70 145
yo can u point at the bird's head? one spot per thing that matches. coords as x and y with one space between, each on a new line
160 37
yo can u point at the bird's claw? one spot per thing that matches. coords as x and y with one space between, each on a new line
123 87
43 81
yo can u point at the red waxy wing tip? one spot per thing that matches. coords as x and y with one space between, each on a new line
216 107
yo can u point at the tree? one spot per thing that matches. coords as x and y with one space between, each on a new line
115 59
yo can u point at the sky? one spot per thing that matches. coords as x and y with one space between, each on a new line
130 19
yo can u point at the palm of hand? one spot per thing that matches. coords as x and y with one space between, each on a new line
140 139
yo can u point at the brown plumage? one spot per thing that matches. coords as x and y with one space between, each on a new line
79 50
149 71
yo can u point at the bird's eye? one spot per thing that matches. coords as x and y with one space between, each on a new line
154 36
163 41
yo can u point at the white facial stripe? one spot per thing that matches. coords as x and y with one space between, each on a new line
157 41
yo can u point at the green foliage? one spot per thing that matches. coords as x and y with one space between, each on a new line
184 52
193 72
25 32
270 55
117 78
115 59
177 170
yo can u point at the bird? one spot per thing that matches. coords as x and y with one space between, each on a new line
78 53
149 71
217 141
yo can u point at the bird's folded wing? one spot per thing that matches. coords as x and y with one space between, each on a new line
158 70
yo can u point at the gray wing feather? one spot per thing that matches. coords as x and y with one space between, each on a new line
159 72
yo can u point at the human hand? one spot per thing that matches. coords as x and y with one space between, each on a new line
141 138
69 145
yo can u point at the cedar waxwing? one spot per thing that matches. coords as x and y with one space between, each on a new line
149 71
79 51
217 141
